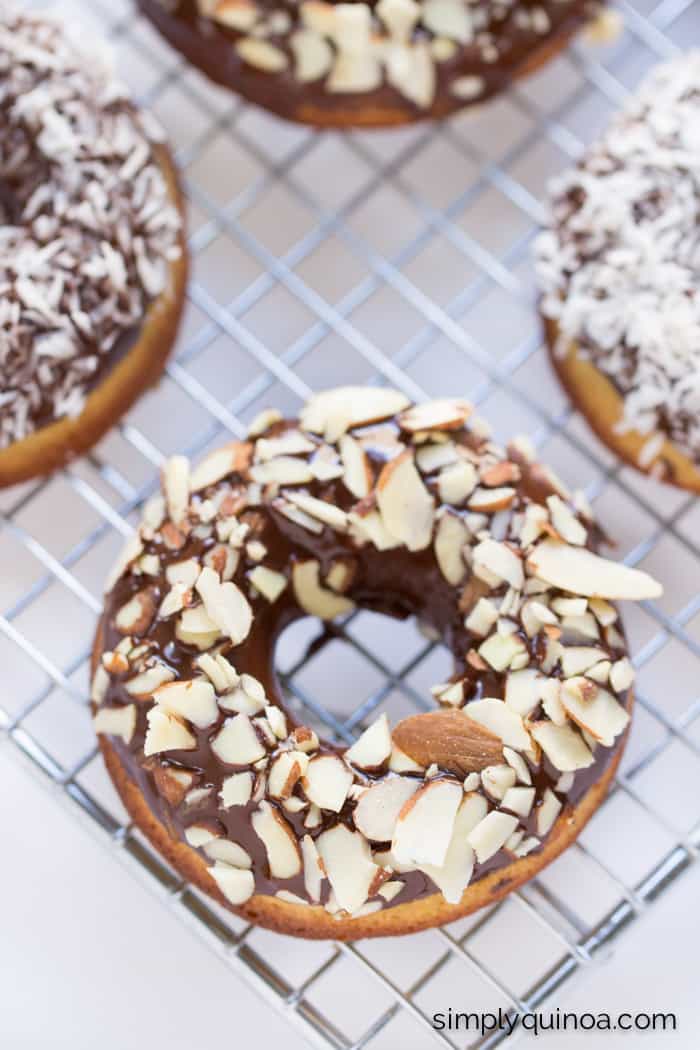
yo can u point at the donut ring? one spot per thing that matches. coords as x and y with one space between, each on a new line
366 502
92 250
372 64
620 277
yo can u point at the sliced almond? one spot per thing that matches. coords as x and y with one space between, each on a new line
424 828
357 473
373 747
450 537
194 700
116 721
621 675
333 412
267 582
547 812
313 55
283 854
482 617
502 651
237 743
491 500
285 771
579 571
327 781
312 597
236 790
172 783
261 54
519 800
289 443
522 691
228 852
501 721
400 762
313 869
565 522
496 562
376 813
348 863
497 780
176 487
491 834
284 470
166 732
577 659
441 414
327 513
518 764
370 528
457 482
602 716
137 615
563 746
453 876
236 884
143 685
226 606
450 738
405 504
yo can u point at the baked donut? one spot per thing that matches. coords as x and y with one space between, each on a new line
92 253
367 64
366 502
619 269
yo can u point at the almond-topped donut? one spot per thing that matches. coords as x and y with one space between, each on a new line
366 501
619 269
92 255
372 63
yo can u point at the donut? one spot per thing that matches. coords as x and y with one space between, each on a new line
366 502
92 252
367 64
619 270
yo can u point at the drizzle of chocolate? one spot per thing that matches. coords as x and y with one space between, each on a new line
398 583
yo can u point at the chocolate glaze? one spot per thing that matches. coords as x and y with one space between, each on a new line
209 46
395 582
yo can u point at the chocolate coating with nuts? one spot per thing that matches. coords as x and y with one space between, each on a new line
365 502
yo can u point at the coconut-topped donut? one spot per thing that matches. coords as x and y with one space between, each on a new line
92 265
620 273
367 63
367 501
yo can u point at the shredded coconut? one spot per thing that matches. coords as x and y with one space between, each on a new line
87 227
620 266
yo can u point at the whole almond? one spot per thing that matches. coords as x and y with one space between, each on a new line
449 738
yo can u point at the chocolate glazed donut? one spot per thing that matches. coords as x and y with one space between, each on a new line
365 502
92 251
367 64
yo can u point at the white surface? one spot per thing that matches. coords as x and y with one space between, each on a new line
90 961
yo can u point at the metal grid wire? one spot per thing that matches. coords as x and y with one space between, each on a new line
396 257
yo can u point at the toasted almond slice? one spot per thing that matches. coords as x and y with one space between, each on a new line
235 884
143 685
313 869
424 828
563 746
579 571
267 582
327 781
194 700
522 690
441 414
602 716
357 475
333 412
176 487
376 813
496 562
228 852
489 501
320 509
312 597
450 538
491 833
450 738
348 864
405 504
237 743
369 528
452 877
166 733
285 771
226 606
236 790
500 720
457 482
547 812
116 721
283 854
373 747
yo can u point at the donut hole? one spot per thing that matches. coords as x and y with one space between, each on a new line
339 676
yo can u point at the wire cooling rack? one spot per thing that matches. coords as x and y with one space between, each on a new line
401 257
